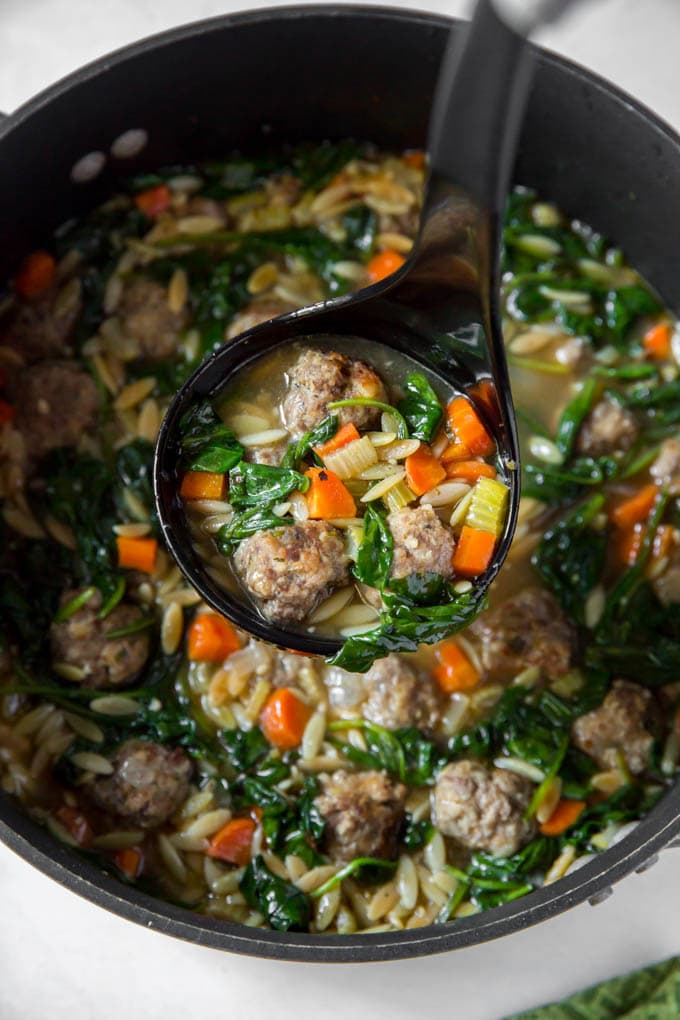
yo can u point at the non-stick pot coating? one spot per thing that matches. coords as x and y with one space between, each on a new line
311 73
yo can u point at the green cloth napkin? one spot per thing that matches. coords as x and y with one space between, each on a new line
649 994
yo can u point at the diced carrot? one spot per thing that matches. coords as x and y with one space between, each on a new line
423 470
345 434
416 159
657 341
283 719
467 428
636 508
328 496
233 841
455 451
484 393
470 470
129 861
153 201
202 485
384 264
563 817
454 671
35 274
76 824
474 552
137 553
7 412
211 638
629 544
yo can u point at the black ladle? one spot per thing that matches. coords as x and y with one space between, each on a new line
441 308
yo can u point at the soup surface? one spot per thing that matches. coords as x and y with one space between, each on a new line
352 499
269 788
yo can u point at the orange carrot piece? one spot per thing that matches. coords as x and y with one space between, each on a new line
473 552
129 861
283 719
328 496
470 470
454 671
455 451
423 470
211 638
467 428
383 265
629 543
233 841
7 412
657 341
76 824
635 508
153 201
415 159
202 485
35 275
345 434
484 393
563 817
137 553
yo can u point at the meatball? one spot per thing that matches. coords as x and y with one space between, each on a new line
319 377
667 584
37 329
422 543
529 629
56 403
666 468
363 812
399 696
148 783
483 808
81 640
620 726
146 316
607 429
291 569
255 314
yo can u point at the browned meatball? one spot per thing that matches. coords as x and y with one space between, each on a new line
36 330
483 808
363 812
291 569
528 629
146 316
319 377
148 784
399 696
255 314
620 726
608 428
56 403
82 641
421 543
666 468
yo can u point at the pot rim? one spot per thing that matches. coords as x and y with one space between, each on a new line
592 881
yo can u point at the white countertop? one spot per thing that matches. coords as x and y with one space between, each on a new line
64 958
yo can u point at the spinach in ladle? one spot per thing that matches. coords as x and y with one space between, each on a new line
420 407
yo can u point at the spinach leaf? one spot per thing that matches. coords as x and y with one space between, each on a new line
374 557
496 880
405 753
404 626
296 452
415 835
248 523
245 748
360 224
572 417
571 557
207 443
282 903
260 485
623 307
420 407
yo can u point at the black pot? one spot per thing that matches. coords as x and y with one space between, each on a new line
308 73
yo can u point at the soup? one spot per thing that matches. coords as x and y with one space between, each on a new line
349 489
272 789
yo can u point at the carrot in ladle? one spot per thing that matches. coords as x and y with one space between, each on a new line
345 434
423 470
467 428
202 485
383 265
328 497
474 552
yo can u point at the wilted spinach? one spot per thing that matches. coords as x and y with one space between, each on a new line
374 557
207 443
420 407
281 902
261 485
